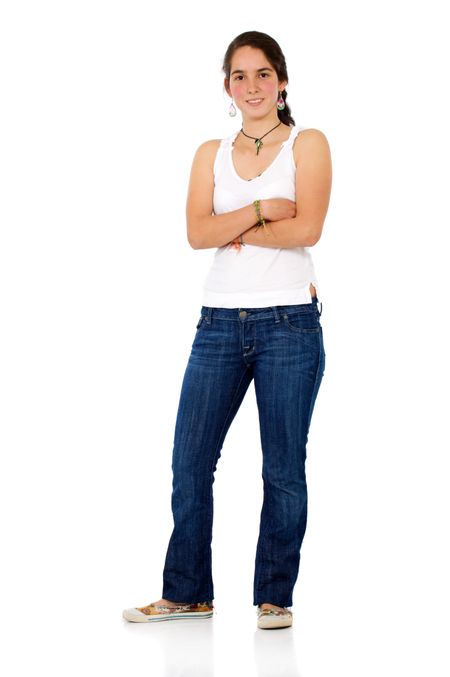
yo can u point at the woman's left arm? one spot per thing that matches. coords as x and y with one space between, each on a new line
313 178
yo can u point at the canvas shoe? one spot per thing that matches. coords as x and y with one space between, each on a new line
160 612
274 618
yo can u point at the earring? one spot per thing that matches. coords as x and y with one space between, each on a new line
280 103
232 110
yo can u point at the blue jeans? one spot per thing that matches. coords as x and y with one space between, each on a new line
282 349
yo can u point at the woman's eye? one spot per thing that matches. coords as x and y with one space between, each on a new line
240 76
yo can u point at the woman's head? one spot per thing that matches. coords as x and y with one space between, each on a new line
248 53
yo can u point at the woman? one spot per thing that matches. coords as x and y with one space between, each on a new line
269 188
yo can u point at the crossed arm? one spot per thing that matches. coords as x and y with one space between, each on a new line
285 233
312 189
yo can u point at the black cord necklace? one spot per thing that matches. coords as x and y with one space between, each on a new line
259 142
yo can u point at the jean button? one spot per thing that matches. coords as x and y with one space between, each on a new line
243 314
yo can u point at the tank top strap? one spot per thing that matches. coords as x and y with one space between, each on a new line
231 139
294 132
220 161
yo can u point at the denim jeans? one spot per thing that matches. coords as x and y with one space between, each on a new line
282 349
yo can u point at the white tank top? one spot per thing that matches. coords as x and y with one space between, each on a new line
256 277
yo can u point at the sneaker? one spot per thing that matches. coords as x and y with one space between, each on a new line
160 612
274 618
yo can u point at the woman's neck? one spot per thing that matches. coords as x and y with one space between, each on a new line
258 128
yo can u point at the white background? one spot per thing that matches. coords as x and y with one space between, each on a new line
103 105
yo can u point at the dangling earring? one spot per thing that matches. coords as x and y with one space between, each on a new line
232 110
280 103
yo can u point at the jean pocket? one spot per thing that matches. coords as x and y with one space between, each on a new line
302 323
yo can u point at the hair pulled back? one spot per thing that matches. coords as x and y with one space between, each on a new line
273 54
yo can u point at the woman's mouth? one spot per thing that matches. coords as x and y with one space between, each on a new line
254 102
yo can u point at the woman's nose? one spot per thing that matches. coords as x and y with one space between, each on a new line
252 88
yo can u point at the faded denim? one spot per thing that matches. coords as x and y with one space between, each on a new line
281 348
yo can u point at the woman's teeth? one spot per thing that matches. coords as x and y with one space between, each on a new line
254 102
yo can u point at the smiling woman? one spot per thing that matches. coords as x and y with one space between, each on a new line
260 197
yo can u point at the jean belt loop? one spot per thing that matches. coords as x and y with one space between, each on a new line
208 314
275 313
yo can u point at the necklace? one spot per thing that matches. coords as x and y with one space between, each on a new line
259 142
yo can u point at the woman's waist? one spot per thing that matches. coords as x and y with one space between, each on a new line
275 266
259 313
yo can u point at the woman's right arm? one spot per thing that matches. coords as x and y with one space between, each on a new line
205 229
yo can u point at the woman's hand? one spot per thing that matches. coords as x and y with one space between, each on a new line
275 209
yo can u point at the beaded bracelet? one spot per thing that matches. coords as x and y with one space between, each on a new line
238 241
261 221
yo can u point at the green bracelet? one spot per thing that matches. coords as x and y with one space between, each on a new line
261 221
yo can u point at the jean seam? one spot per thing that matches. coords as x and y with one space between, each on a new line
226 421
318 371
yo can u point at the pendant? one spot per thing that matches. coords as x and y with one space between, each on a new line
259 143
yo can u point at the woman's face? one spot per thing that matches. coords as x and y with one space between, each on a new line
253 77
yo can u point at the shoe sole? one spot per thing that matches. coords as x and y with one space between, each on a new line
131 615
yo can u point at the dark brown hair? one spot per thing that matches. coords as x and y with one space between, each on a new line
274 55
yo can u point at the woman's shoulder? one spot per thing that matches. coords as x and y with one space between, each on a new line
213 144
210 145
207 152
309 138
309 133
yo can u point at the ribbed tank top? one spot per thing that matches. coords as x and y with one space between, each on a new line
256 277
